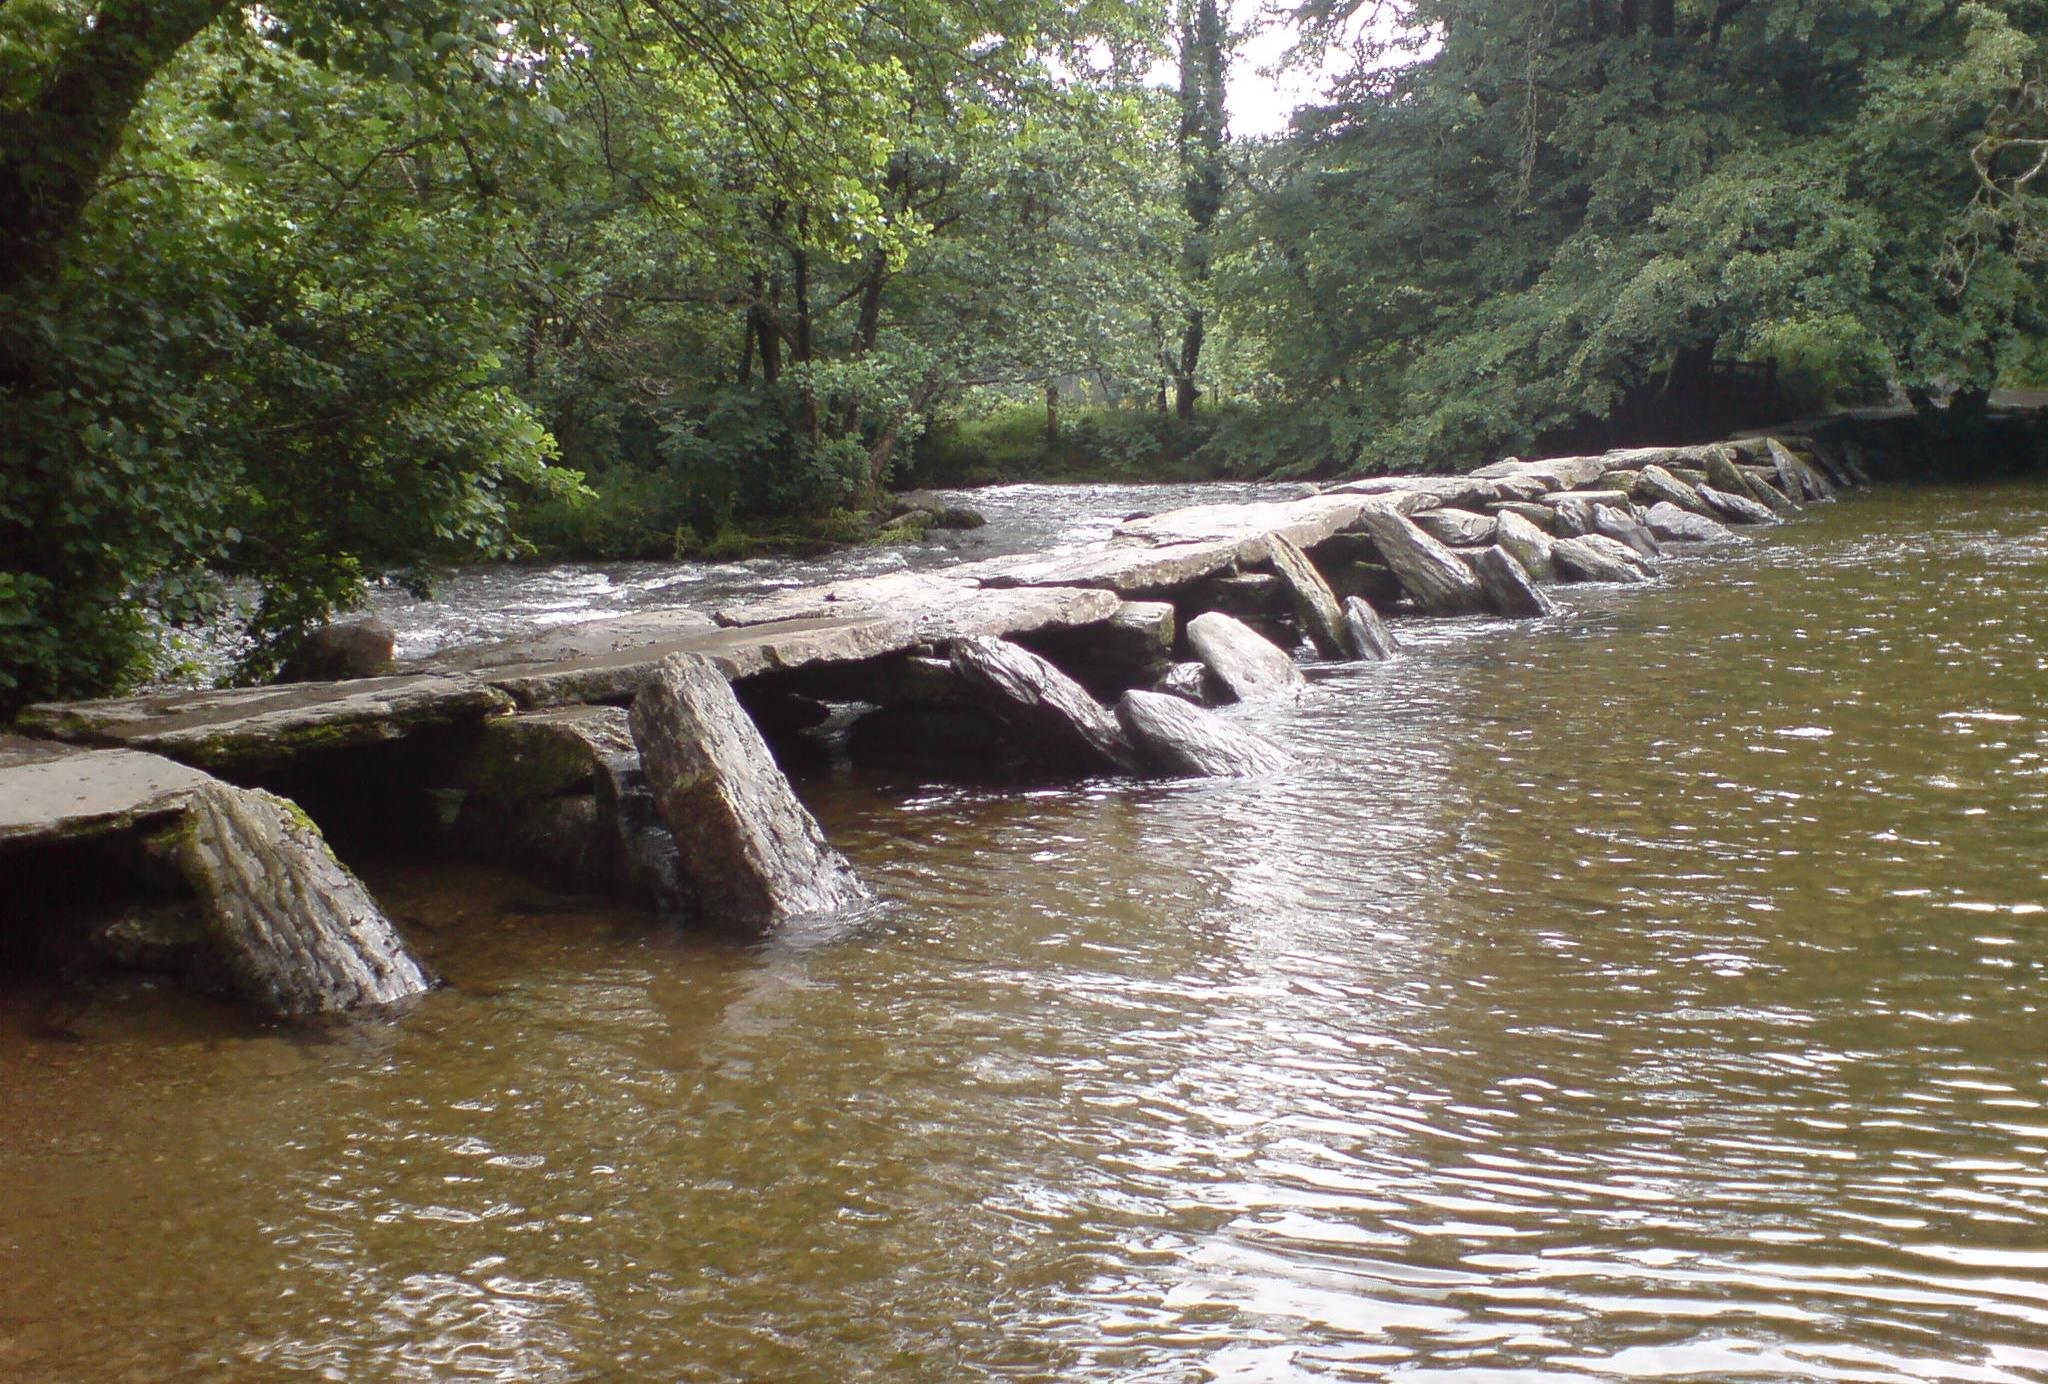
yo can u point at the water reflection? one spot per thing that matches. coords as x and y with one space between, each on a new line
1654 995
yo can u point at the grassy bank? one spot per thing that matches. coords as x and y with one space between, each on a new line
1011 443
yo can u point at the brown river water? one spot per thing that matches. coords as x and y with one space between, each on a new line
1651 993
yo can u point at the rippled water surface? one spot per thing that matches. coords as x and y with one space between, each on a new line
1654 993
474 604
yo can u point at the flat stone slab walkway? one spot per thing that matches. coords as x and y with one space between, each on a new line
53 793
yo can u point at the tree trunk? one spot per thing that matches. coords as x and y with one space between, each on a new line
800 273
1052 411
1663 18
1631 17
1200 147
53 160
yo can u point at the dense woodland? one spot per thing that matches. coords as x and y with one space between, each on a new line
299 296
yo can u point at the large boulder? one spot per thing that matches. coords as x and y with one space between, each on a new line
1737 509
1245 666
1186 741
1571 517
1654 485
299 933
1623 527
347 649
1431 573
1672 524
1315 605
1191 682
1528 545
562 794
1047 712
1370 636
1796 477
1725 475
1460 528
1508 588
1597 558
752 853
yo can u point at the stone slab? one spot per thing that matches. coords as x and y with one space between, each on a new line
1304 522
1406 492
258 728
1134 572
51 793
743 652
941 606
587 639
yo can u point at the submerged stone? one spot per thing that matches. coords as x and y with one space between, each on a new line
1184 740
1508 588
1314 603
1370 637
299 933
1047 712
1431 573
1243 664
753 855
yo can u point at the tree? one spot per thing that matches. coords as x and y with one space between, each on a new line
1567 204
1204 60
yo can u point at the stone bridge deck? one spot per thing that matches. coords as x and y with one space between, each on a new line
82 767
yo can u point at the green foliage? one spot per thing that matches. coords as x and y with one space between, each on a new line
1550 212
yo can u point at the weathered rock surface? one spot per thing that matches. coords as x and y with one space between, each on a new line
51 793
1541 517
1191 682
249 729
299 933
588 639
347 649
1571 517
1370 638
1460 528
1621 526
940 606
1314 603
562 794
1796 478
1402 492
1725 475
1304 522
1509 589
1597 558
1047 712
753 855
1737 509
1245 666
785 646
1431 573
1134 572
1670 523
1654 485
1183 740
1528 545
1559 473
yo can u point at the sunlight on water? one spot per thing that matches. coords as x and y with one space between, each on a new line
1653 993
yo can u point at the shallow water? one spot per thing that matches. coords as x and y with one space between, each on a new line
477 604
1652 993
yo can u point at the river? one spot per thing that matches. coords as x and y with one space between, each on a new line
1650 993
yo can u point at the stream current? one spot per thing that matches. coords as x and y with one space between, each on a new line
1653 992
